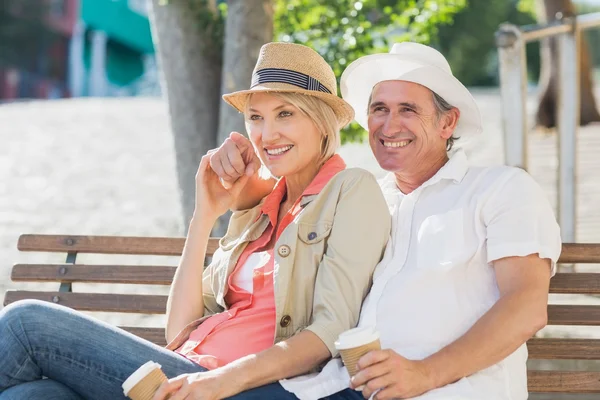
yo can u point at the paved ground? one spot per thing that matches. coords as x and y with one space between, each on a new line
106 166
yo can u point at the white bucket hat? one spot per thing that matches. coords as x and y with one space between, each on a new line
410 62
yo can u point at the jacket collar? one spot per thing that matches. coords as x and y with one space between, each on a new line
272 202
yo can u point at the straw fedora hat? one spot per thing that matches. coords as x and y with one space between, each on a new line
293 68
410 62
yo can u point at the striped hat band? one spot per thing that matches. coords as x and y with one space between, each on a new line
303 81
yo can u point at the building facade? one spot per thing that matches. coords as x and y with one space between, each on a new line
44 75
99 48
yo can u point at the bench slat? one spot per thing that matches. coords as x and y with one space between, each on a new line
107 302
108 244
563 382
573 283
565 283
154 335
573 315
136 274
582 253
571 252
564 349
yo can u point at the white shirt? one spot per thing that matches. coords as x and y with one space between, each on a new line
436 279
244 277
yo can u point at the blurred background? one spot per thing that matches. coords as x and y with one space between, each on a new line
53 49
75 48
106 106
165 63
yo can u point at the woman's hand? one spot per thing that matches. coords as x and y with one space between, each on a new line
212 198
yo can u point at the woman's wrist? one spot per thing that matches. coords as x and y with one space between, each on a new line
203 218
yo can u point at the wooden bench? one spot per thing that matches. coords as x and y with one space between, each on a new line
70 272
551 381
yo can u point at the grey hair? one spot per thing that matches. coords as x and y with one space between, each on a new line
442 107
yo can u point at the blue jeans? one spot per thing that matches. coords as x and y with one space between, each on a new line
54 353
276 391
81 357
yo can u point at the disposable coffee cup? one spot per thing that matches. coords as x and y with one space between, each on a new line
144 382
355 343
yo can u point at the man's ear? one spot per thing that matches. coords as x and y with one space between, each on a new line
449 122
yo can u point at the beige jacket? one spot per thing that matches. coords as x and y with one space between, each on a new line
324 259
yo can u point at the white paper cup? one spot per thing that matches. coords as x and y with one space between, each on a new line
144 382
355 343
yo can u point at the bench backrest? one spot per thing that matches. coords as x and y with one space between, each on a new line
67 273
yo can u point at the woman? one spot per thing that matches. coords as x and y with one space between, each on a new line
289 276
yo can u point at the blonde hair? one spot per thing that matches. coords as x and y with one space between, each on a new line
321 114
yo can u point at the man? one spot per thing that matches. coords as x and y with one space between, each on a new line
464 280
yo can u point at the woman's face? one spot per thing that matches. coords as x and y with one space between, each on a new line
285 139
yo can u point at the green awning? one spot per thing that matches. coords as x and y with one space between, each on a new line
119 22
123 64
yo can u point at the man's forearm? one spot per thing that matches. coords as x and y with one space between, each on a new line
507 325
292 357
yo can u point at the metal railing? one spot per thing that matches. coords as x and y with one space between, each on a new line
511 41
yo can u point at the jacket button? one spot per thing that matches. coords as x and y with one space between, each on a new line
286 320
284 250
312 235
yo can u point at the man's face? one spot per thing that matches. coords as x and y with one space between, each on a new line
404 131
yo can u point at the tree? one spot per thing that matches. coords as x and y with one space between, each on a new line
194 57
249 25
471 37
205 49
547 109
188 37
344 30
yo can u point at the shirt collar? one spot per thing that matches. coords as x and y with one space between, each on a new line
455 170
273 200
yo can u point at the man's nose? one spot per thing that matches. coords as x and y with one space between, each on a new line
392 125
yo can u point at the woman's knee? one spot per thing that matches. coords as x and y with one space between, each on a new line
31 309
39 389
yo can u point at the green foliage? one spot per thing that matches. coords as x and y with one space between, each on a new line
526 7
469 43
344 30
591 35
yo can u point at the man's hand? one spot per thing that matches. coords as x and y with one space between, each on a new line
212 198
209 385
391 376
234 158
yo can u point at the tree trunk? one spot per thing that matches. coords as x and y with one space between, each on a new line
190 60
249 25
547 109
